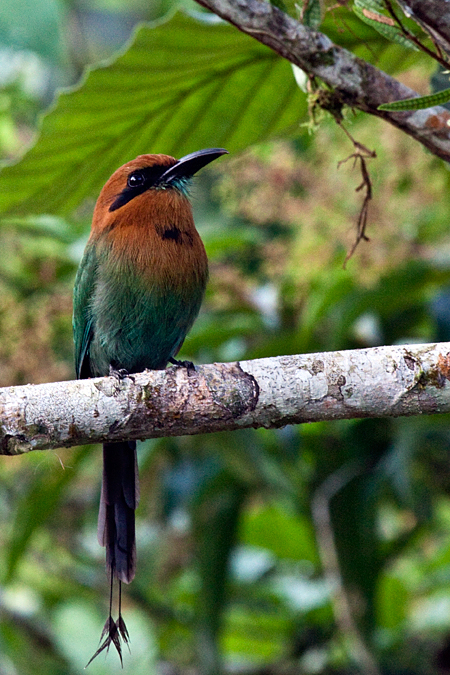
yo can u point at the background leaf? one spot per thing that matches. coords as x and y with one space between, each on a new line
372 12
181 86
312 13
40 26
234 565
418 103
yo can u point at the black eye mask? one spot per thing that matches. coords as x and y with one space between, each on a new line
138 182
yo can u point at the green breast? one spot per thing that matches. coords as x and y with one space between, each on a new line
135 323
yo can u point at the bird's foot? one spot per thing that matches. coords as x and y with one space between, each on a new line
183 364
120 373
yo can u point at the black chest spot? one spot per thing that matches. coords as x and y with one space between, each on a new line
175 234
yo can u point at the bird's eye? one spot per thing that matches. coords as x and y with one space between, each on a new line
135 179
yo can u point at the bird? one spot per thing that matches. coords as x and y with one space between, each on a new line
137 292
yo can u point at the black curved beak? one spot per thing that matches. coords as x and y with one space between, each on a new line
188 165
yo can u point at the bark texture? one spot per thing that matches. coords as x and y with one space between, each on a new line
433 16
357 83
273 392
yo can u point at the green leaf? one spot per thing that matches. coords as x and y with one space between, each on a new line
371 12
371 5
289 535
38 504
215 512
180 86
392 602
280 4
418 103
256 634
367 43
312 13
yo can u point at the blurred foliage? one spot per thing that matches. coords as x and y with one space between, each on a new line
238 534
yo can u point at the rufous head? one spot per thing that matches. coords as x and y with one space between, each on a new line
152 174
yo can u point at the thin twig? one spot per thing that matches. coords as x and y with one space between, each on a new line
415 40
360 156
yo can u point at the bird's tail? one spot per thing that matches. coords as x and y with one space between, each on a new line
116 530
118 501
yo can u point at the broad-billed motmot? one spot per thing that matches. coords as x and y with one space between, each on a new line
137 292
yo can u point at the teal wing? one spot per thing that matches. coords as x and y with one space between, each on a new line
83 325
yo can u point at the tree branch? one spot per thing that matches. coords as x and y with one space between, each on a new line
433 17
273 392
358 83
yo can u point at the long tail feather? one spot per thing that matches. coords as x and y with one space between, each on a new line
119 499
111 634
116 531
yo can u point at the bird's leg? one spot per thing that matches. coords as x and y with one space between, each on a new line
183 364
119 373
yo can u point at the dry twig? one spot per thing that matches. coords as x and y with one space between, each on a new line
360 155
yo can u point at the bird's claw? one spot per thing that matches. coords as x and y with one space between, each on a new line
120 373
183 364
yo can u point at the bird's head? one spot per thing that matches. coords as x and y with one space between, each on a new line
151 174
